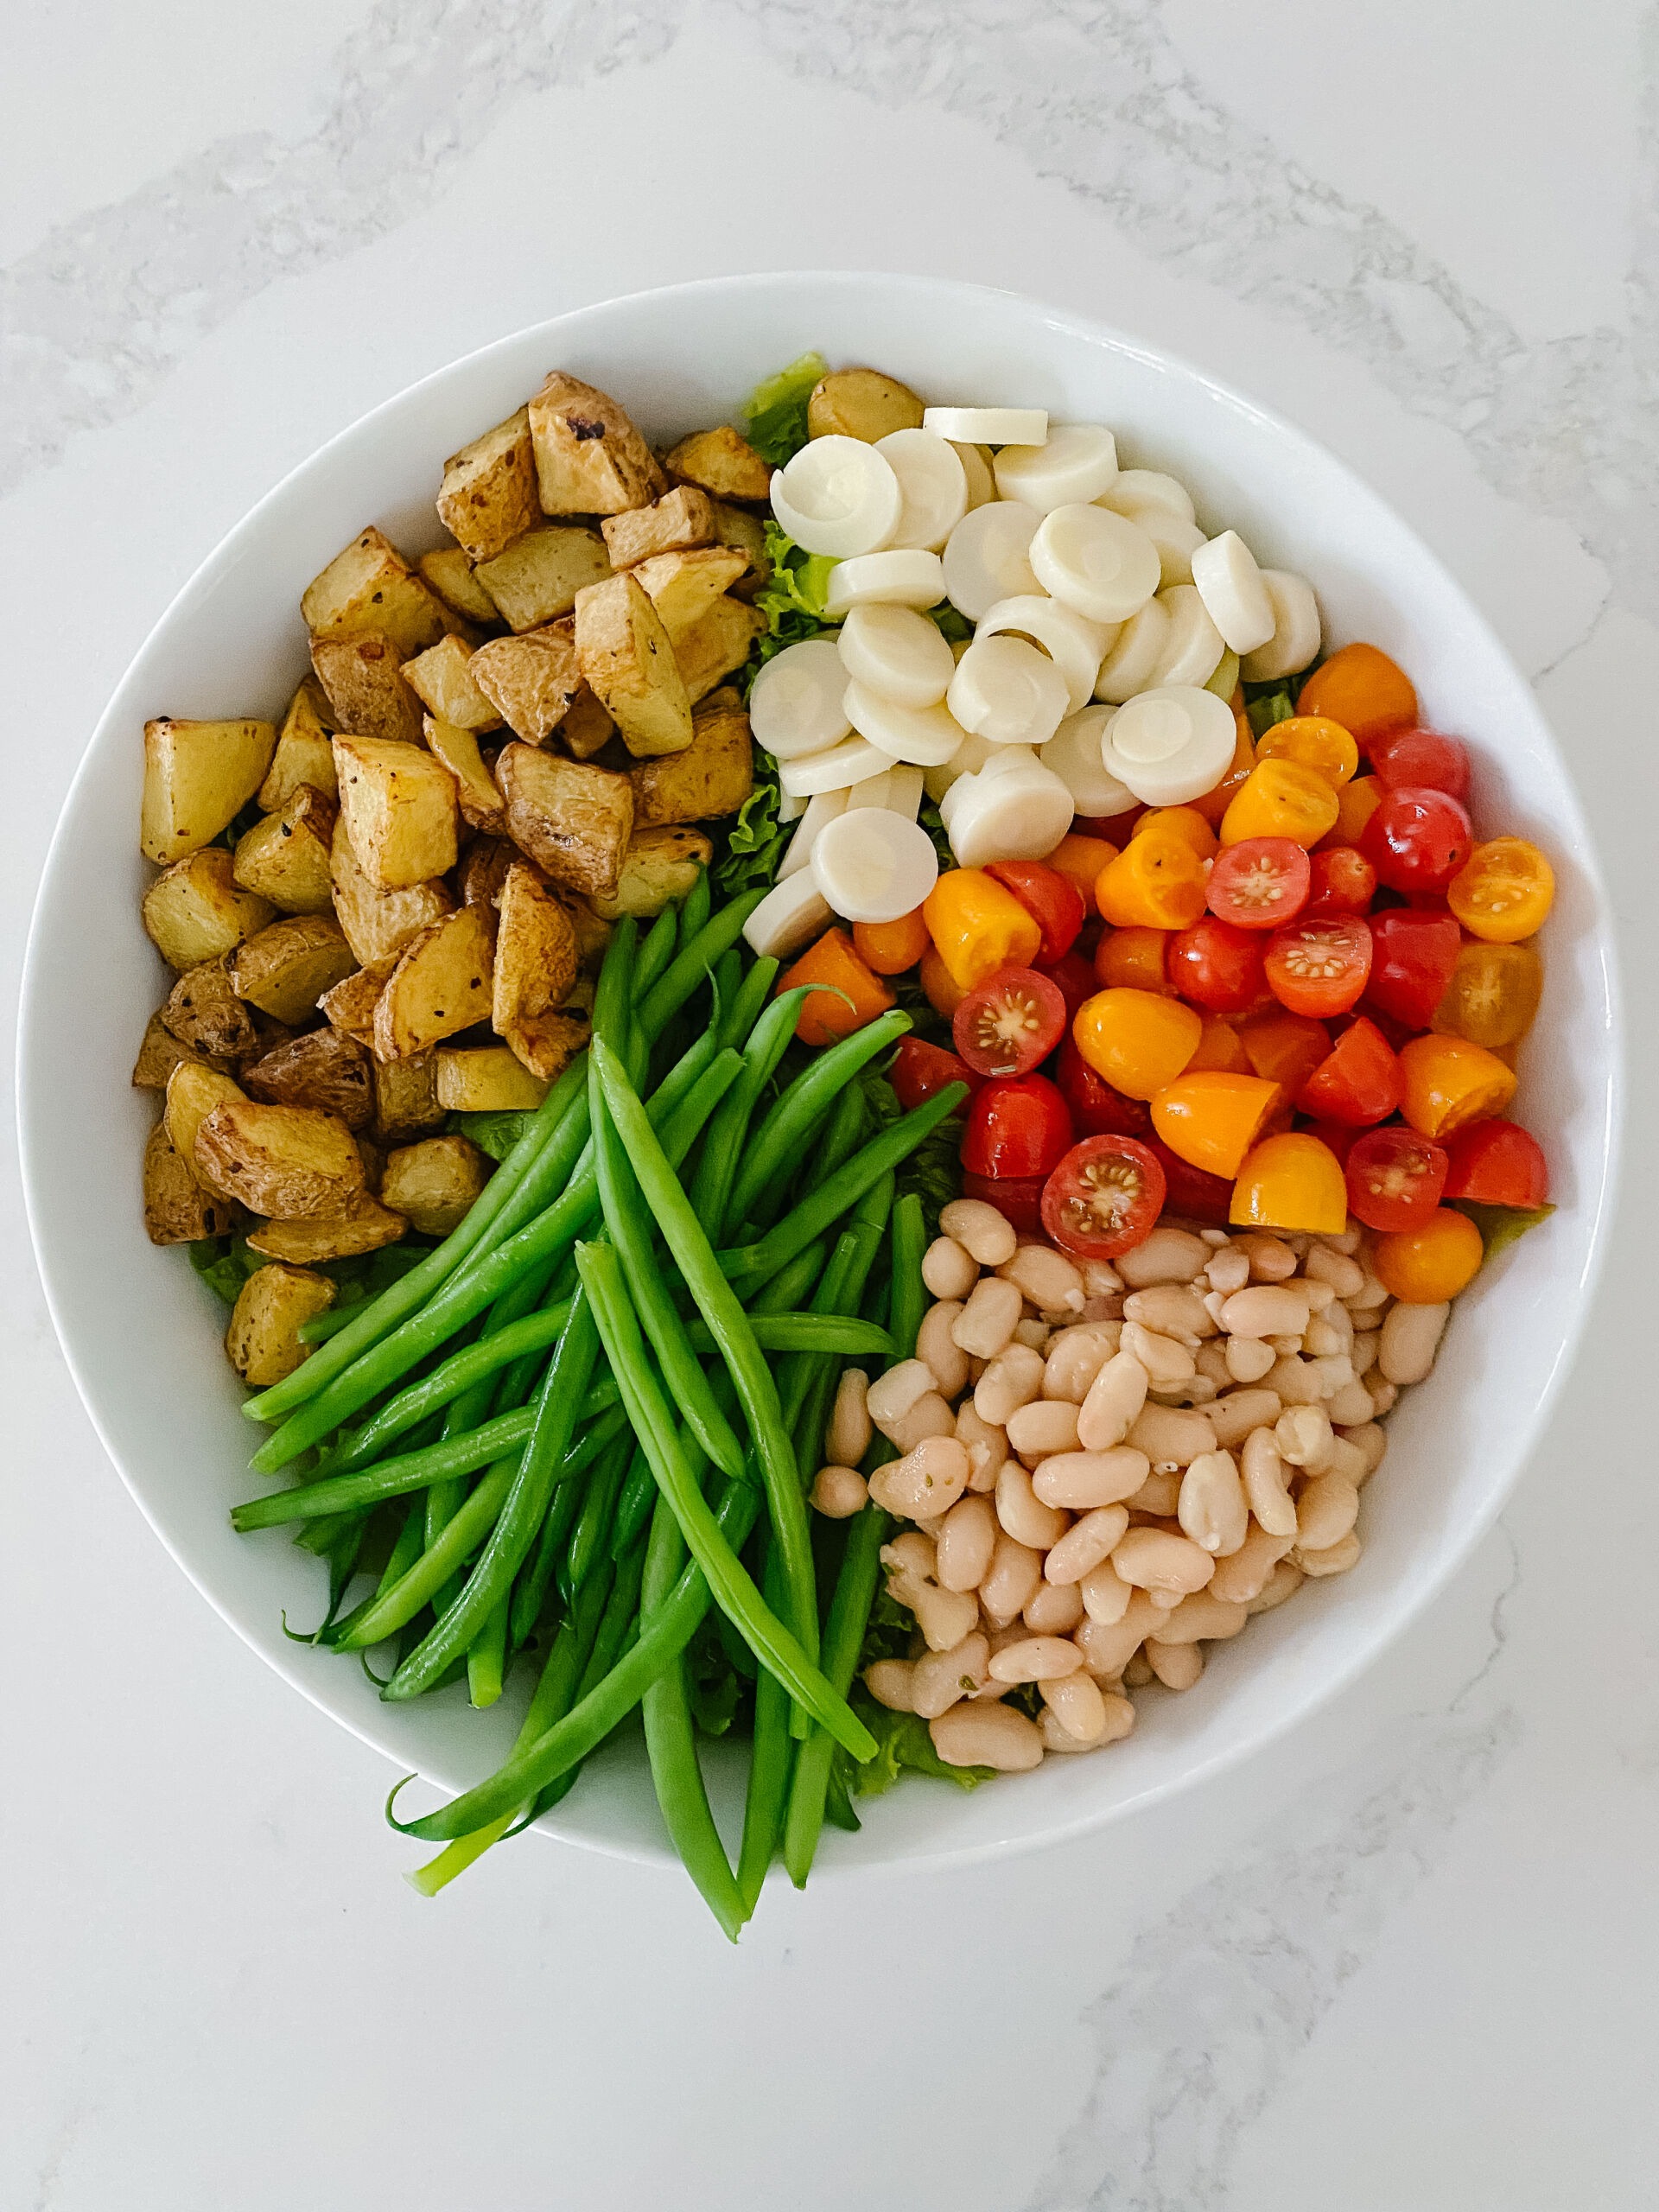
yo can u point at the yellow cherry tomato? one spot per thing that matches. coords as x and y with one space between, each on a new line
1280 798
1492 996
1156 882
1211 1119
1449 1082
1503 891
1315 740
1214 804
1427 1266
1138 1041
944 993
1079 860
1134 959
1182 822
977 926
1291 1181
889 948
1220 1047
1355 804
1361 688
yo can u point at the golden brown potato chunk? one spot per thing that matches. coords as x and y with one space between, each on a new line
587 728
399 809
323 1068
713 776
685 586
533 681
440 985
364 1226
482 806
285 857
349 1007
203 1011
371 588
484 870
379 924
434 1183
285 969
362 677
659 865
624 652
736 527
197 778
722 462
535 954
449 573
159 1054
406 1100
589 458
197 911
264 1338
193 1092
860 404
291 1163
177 1209
681 518
485 1079
536 579
572 819
488 495
547 1043
441 677
305 751
716 644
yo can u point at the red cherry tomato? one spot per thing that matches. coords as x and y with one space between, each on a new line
1075 978
1258 883
1394 1178
1359 1082
1104 1198
1017 1126
1010 1023
1215 965
1421 758
1345 882
1097 1109
1052 901
920 1070
1318 966
1497 1164
1336 1136
1192 1191
1413 955
1018 1199
1417 838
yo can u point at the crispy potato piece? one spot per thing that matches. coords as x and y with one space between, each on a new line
737 527
285 856
484 870
177 1210
434 1183
305 751
485 1079
547 1043
715 644
442 679
197 911
722 462
482 806
262 1341
324 1068
399 809
589 458
349 1007
535 954
291 1163
488 494
371 1153
363 1226
587 728
591 934
379 924
406 1101
659 865
371 588
193 1092
537 578
531 681
685 586
572 819
285 969
440 985
681 518
362 677
159 1054
713 776
860 404
197 778
624 652
206 1017
449 574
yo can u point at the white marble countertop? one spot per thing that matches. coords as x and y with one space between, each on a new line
1407 1957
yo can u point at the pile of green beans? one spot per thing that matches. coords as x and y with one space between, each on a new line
588 1419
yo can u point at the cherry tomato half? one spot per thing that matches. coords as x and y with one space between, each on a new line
1074 977
1505 891
1097 1110
1417 839
1258 883
1053 901
920 1071
1344 882
1010 1023
1493 995
1017 1126
1497 1164
1104 1198
1413 954
1284 1047
1216 966
1134 959
1318 966
1018 1199
1359 1082
1420 757
1394 1178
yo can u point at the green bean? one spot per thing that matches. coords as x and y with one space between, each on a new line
530 1592
588 1545
771 1757
698 952
486 1659
820 1332
423 1576
655 952
723 986
321 1326
779 1143
717 1169
748 1002
611 995
633 1506
435 1462
694 907
783 1292
620 1580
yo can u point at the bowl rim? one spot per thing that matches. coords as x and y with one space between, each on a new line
1365 1651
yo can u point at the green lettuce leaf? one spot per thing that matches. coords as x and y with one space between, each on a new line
224 1264
713 1683
1501 1226
774 417
1271 702
757 841
903 1746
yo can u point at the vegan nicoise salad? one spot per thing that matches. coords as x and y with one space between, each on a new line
834 1078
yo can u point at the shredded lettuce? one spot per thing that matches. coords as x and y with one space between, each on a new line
903 1746
757 841
226 1262
1501 1226
775 415
792 598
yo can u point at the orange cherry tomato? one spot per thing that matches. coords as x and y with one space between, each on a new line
1056 905
1492 996
1139 1042
1286 1048
1291 1181
1214 804
825 1016
1281 799
1448 1081
1080 860
1427 1266
1361 688
977 926
1211 1119
1355 804
945 994
1503 891
1182 822
1316 742
1156 882
1136 959
1219 1047
889 948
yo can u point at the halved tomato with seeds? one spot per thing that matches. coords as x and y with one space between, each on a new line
1010 1023
1394 1178
1319 965
1258 883
1104 1198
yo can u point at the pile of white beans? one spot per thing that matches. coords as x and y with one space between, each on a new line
1107 1466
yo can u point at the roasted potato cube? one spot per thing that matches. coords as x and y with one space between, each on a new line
485 1079
285 969
624 652
370 587
177 1209
434 1183
305 751
290 1163
722 462
362 677
537 578
264 1338
349 1007
159 1054
285 856
399 809
193 1091
659 865
736 527
684 586
860 404
531 681
440 985
203 1011
197 778
587 728
589 458
547 1043
324 1068
406 1102
536 955
713 776
197 911
681 518
379 924
572 819
441 677
715 644
449 573
592 935
482 806
484 869
488 494
364 1226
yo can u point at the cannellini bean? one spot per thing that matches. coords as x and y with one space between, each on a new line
1249 1359
1052 1283
1212 1363
1045 1426
931 1416
1137 1673
839 1492
928 1479
1263 1469
888 1682
1171 1436
1035 1659
1364 1349
1347 1460
1176 1666
1076 1356
1368 1440
1107 1647
1370 1295
1271 1260
1411 1337
1326 1509
1228 1270
1013 1379
1284 1582
1160 1495
1303 1435
1325 1337
1105 1595
1011 1579
1243 1576
1383 1396
1320 1295
945 1616
988 1735
1154 1559
980 1230
940 1352
942 1678
1265 1310
1115 1397
1086 1544
1034 1333
1082 1480
1333 1372
1117 1718
847 1438
1170 1309
1054 1609
949 1269
1235 1414
1203 1617
1197 1390
986 1444
988 1319
1297 1380
1211 1508
1349 1405
1334 1559
891 1397
1074 1700
1167 1255
1100 1279
1165 1359
965 1543
1022 1513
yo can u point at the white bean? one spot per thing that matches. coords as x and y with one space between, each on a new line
1271 1260
1333 1559
1045 1426
1107 1647
949 1269
1167 1255
986 1444
1351 1406
988 1735
1100 1279
1201 1617
1245 1576
888 1682
1160 1495
839 1492
1284 1582
1165 1359
1264 1483
1054 1609
1249 1359
964 1544
1265 1310
1115 1397
980 1230
1035 1333
1012 1579
1035 1659
1303 1435
1052 1283
1082 1480
1233 1415
988 1319
940 1352
929 1416
928 1480
1013 1379
1022 1513
1229 1270
1325 1510
1297 1380
1211 1508
1153 1558
1171 1436
1086 1544
847 1438
1212 1363
1172 1309
1074 1700
942 1678
1177 1666
1368 1438
1411 1337
1105 1595
891 1397
1075 1358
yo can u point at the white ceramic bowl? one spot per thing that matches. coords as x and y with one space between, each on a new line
143 1335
